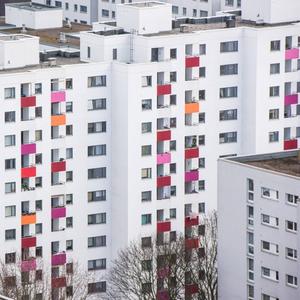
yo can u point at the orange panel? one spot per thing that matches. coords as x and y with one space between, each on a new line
58 120
28 219
191 108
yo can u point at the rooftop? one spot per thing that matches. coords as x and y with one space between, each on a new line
32 6
145 4
286 162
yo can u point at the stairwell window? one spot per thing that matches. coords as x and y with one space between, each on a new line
146 219
9 93
96 127
275 45
96 81
291 280
291 226
269 193
99 218
146 173
291 199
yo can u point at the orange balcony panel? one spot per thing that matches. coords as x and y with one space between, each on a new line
59 282
58 120
28 172
163 135
28 242
163 226
28 219
163 181
58 166
192 243
191 108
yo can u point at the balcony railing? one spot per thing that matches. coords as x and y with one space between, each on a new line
291 53
191 289
191 176
291 99
164 89
163 226
192 243
163 181
58 212
58 166
191 153
290 144
28 149
191 221
58 259
58 282
28 265
163 158
28 101
192 61
28 242
28 172
164 135
58 96
28 219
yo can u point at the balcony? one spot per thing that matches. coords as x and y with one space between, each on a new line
28 172
28 149
28 265
28 242
164 89
291 99
164 135
28 219
191 176
191 153
28 101
58 120
163 181
192 61
192 243
291 53
163 158
58 259
58 166
163 226
162 295
191 221
290 144
58 96
192 107
58 282
58 212
191 289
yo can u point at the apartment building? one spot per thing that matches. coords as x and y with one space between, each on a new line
122 143
258 214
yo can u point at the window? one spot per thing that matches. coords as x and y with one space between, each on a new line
270 274
89 52
146 173
202 49
173 53
231 69
69 153
38 88
97 264
10 163
232 46
96 81
201 208
291 280
69 222
96 127
57 3
146 127
274 91
202 72
10 140
201 185
146 104
10 187
201 162
274 68
99 195
9 93
194 12
67 6
267 297
291 226
38 112
97 241
69 176
274 114
97 150
97 287
201 95
69 199
229 92
39 251
269 220
146 150
38 205
146 219
97 173
69 106
146 81
201 140
146 196
83 9
203 13
105 13
10 258
269 193
229 2
270 247
99 218
174 10
38 135
291 199
229 114
69 83
228 137
95 104
173 168
38 228
172 213
38 181
10 234
173 76
273 136
201 117
10 211
69 244
291 253
146 242
10 116
172 145
114 54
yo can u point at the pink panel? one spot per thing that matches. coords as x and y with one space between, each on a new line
292 53
163 158
58 259
28 265
28 149
58 96
191 176
291 99
59 212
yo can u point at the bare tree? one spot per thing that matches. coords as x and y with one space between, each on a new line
179 269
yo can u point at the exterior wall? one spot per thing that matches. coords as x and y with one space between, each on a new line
231 4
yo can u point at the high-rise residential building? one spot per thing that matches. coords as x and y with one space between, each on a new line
258 217
121 142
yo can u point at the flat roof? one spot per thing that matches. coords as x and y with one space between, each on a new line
145 4
32 6
14 37
286 162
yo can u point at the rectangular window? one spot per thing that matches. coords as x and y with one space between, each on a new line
202 49
146 219
232 46
99 218
105 13
291 253
229 92
173 53
115 54
231 69
10 140
146 104
96 127
273 136
270 247
274 114
274 68
146 150
270 274
146 173
10 258
95 104
97 287
37 88
228 137
96 81
291 199
269 193
10 234
99 195
146 127
275 45
229 114
97 173
96 150
146 81
291 226
97 264
9 93
10 116
10 211
10 187
291 280
274 91
83 9
146 196
97 241
10 163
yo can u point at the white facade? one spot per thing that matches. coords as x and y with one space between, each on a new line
231 4
257 213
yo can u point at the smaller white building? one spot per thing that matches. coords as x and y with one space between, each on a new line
33 15
258 231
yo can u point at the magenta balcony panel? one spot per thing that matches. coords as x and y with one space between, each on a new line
28 265
58 212
292 53
191 176
163 158
58 96
58 259
28 149
291 99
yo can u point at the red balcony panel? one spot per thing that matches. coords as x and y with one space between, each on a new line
162 295
163 226
191 153
163 272
164 89
290 144
191 289
28 172
191 221
192 243
58 166
59 282
163 181
192 61
28 242
164 135
28 101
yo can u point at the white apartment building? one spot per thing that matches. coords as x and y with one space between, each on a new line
122 142
258 217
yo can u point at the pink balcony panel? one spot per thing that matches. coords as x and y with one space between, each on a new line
292 53
58 96
28 265
58 212
28 149
290 144
291 99
163 158
58 259
162 295
191 176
